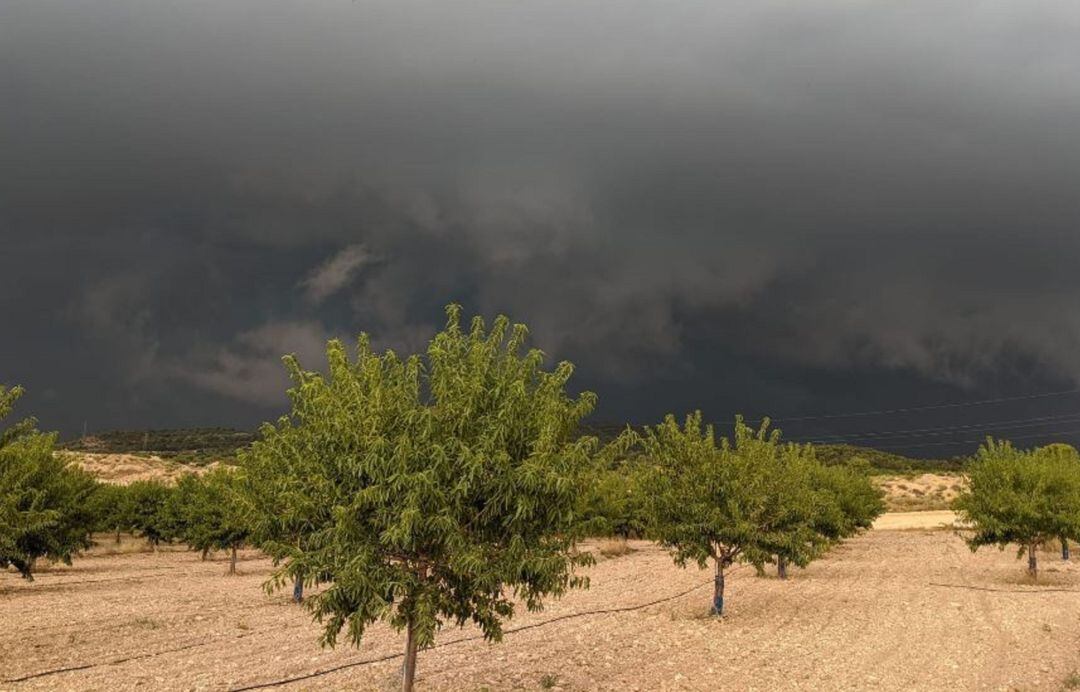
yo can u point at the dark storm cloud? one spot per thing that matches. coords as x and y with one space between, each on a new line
725 204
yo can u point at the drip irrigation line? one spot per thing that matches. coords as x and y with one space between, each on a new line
390 657
987 588
116 661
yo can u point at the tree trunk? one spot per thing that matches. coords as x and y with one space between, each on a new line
1065 549
232 562
1033 566
298 589
118 536
408 669
205 553
781 567
718 589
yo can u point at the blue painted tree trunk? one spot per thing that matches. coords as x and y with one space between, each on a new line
781 567
718 590
298 589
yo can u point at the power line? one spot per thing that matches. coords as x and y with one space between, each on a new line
935 407
950 429
1057 433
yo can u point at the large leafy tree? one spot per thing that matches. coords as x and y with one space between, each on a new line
1022 498
449 483
45 503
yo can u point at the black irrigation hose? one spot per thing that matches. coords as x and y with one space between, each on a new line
116 661
987 588
390 657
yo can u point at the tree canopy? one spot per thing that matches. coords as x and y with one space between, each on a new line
207 513
449 482
1021 497
45 503
750 499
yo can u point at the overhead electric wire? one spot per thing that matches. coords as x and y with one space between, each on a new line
950 429
933 407
943 443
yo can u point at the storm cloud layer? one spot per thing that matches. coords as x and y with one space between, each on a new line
761 206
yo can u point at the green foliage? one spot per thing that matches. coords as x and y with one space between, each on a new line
206 512
882 461
851 502
44 502
195 446
146 511
614 499
748 500
1026 498
107 508
723 502
428 489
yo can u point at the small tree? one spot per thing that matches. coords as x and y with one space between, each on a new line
44 501
107 509
852 502
145 511
1068 454
1025 498
614 501
284 507
450 483
207 513
747 500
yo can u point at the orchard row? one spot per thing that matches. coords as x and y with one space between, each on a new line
454 485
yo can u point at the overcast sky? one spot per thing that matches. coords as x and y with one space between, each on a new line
771 207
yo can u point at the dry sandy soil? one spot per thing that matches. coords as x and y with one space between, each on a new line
891 610
924 491
122 469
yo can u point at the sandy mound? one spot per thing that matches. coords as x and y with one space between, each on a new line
928 491
122 469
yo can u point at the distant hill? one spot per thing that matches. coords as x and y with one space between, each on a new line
191 445
885 461
204 445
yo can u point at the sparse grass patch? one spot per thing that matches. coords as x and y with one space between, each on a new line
548 681
615 547
147 623
1072 681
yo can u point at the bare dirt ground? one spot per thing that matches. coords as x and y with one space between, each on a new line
891 610
937 519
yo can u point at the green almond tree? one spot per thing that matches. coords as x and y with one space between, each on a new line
146 511
745 500
45 502
614 501
208 514
1066 453
1022 498
431 489
107 510
850 502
